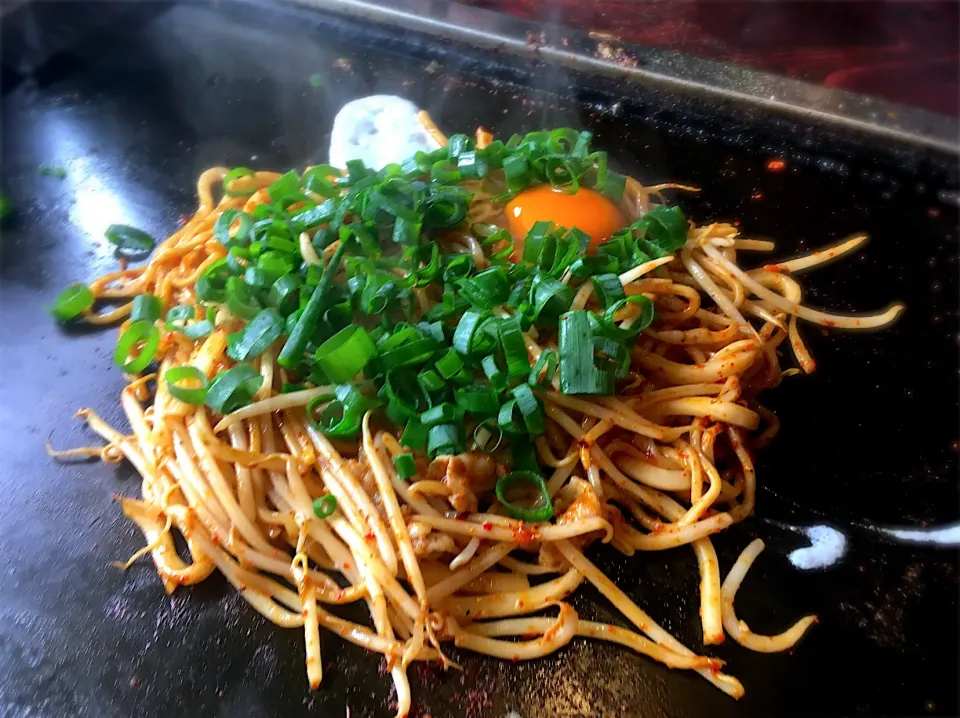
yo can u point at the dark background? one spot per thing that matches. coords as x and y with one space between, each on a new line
907 51
134 110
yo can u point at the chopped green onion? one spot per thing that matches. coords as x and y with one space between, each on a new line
195 393
342 417
414 435
430 381
608 289
257 336
129 240
547 361
345 354
406 466
324 506
637 325
136 333
478 400
198 330
550 298
514 347
146 307
518 174
507 421
177 318
316 80
530 409
444 440
484 434
284 295
286 185
211 285
241 299
528 482
235 174
486 289
290 388
585 267
468 337
663 231
233 388
578 372
292 353
444 413
495 375
221 229
449 365
72 302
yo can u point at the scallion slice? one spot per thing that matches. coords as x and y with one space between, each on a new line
444 413
514 347
292 353
430 381
324 506
478 400
345 354
545 367
527 482
608 289
405 465
72 302
578 372
177 318
414 435
187 384
487 436
257 336
130 241
230 179
136 333
146 307
233 388
444 440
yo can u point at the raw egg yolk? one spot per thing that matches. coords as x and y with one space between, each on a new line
585 209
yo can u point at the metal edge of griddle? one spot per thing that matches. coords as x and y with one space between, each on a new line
659 69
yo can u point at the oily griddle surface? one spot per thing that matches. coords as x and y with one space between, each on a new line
134 113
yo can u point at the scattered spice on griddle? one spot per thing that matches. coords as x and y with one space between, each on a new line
606 51
757 196
776 165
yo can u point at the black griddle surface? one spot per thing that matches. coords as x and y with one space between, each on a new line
136 110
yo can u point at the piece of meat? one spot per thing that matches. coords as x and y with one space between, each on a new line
575 502
467 475
428 543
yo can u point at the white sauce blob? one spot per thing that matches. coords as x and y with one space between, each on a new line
827 546
380 130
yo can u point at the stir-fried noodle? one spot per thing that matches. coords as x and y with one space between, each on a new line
665 462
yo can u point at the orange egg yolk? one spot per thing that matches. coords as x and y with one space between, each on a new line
585 209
